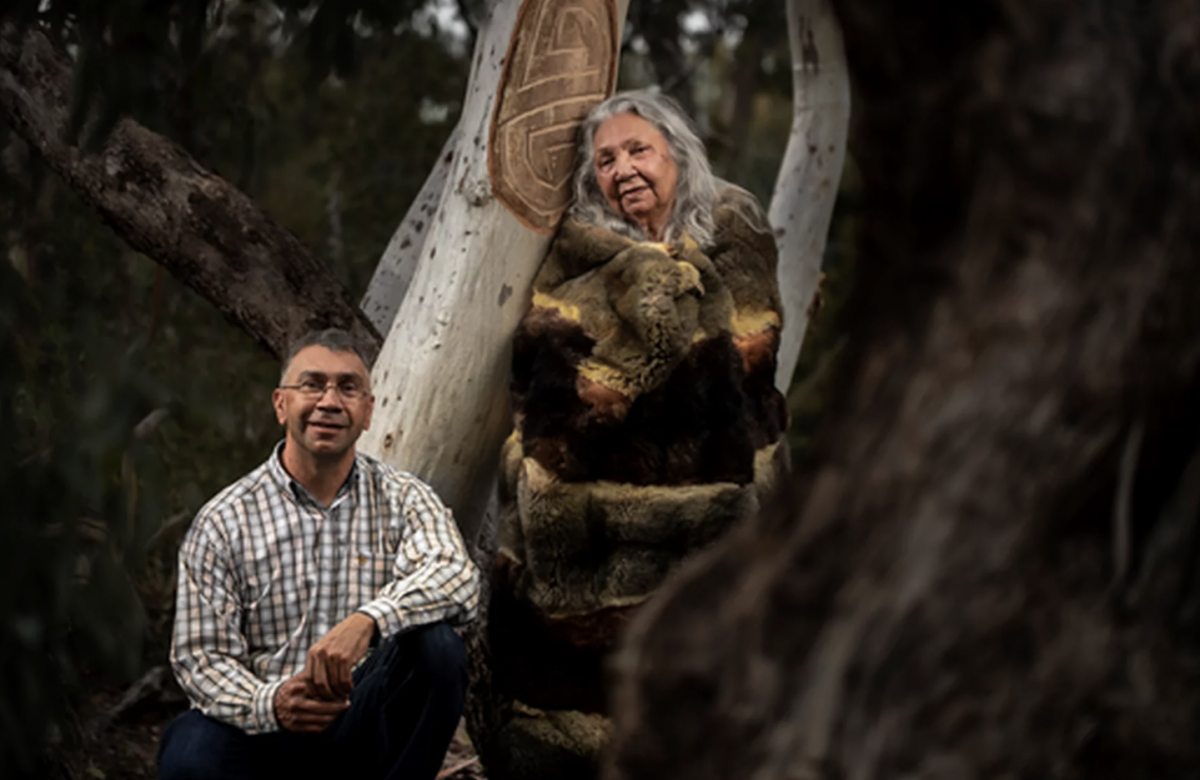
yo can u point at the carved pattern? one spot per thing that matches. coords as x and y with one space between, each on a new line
562 61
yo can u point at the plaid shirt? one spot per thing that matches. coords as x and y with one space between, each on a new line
265 571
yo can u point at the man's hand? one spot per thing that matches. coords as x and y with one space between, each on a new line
299 710
335 654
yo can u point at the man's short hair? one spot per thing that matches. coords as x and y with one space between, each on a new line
333 339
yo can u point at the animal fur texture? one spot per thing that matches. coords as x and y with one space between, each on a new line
646 424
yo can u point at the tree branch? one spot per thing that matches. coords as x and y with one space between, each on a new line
205 231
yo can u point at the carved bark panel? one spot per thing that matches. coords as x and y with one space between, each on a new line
562 61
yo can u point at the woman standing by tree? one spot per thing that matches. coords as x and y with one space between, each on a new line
647 421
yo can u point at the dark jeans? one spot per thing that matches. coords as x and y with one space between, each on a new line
407 700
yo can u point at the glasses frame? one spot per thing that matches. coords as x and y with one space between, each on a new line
358 393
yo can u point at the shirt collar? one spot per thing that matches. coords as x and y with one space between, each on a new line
298 492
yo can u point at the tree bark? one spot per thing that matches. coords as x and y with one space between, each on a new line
807 187
201 228
939 599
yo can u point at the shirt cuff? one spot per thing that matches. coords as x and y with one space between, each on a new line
386 616
265 720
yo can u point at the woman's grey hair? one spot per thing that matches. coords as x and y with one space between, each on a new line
696 187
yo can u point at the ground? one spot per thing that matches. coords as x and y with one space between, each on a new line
126 749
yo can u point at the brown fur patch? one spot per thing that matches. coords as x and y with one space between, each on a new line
694 428
604 404
597 629
757 349
530 663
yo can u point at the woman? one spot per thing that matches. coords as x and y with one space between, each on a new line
646 417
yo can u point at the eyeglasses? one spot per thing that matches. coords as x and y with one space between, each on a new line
309 388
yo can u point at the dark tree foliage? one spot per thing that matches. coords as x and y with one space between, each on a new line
75 519
149 60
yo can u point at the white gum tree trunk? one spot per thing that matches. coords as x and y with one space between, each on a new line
806 189
395 270
441 378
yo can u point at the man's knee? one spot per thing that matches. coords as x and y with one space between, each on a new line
195 747
437 653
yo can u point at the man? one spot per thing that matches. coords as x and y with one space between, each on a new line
294 574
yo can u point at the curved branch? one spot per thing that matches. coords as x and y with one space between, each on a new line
163 203
807 187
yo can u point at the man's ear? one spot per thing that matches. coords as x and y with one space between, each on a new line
277 402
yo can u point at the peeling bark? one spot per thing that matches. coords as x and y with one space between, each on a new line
206 232
936 602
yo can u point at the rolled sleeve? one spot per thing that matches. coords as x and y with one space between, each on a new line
386 616
264 707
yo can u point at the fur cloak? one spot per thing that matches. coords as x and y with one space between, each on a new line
646 423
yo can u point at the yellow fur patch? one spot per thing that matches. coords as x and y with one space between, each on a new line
529 712
605 375
691 277
660 246
568 310
747 323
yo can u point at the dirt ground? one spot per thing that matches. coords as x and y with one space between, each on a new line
126 748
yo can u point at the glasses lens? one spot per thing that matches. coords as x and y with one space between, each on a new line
346 390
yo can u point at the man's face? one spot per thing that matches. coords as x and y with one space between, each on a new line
325 424
635 170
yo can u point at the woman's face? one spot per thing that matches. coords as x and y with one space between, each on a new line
636 171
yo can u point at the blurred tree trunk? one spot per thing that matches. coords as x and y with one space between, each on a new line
945 596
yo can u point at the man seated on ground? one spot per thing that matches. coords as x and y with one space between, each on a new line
294 574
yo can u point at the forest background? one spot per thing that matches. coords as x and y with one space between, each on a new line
126 400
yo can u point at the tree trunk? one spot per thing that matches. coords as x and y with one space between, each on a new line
165 205
395 270
807 187
442 377
941 598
